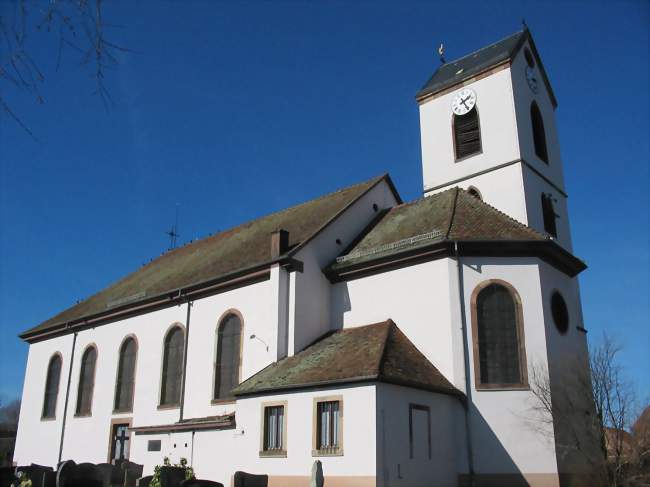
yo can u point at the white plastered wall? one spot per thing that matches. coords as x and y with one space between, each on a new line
416 298
534 183
569 377
217 455
504 437
448 451
310 316
37 440
255 306
494 102
87 438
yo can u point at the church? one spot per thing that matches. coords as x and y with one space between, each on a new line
398 343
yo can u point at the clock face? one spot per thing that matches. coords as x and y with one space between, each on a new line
531 78
463 102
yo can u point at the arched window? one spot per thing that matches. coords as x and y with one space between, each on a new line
172 370
227 365
86 381
125 383
539 135
499 354
52 386
467 134
549 215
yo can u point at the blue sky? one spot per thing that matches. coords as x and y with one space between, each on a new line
234 110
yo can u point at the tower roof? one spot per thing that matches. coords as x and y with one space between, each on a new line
459 70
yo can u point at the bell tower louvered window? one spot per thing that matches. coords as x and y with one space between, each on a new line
467 134
125 376
52 386
86 382
172 370
539 135
549 215
227 365
498 338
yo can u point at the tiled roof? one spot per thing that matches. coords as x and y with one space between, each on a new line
466 67
221 254
454 72
378 352
451 215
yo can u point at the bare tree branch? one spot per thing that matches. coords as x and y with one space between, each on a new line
65 19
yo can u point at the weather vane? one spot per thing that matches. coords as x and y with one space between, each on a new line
441 53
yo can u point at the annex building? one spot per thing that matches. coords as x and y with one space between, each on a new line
399 343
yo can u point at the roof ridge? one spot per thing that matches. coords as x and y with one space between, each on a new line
453 213
421 198
278 212
484 47
380 365
496 210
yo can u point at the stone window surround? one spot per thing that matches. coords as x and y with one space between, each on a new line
315 452
523 369
272 453
56 399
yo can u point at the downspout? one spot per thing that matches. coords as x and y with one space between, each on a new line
468 381
185 345
67 397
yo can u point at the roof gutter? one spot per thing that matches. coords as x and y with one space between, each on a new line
546 250
169 298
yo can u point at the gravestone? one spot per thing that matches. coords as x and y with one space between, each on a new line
171 476
243 479
131 472
143 481
200 483
35 473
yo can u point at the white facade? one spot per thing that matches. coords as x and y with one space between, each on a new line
431 301
507 172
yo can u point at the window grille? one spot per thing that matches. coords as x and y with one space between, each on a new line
273 428
328 426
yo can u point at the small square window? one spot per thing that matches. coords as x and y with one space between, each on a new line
328 426
274 432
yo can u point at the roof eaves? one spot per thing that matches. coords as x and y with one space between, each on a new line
170 297
306 385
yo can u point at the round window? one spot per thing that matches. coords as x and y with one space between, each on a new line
560 312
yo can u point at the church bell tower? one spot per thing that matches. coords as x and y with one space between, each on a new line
487 124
